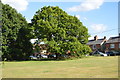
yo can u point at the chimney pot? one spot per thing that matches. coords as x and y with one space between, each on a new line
96 38
104 37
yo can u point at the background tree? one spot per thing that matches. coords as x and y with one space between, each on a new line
0 29
15 35
62 31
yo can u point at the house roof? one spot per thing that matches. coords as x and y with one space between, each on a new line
93 42
33 40
114 39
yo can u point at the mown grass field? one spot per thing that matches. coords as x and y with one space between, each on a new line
90 67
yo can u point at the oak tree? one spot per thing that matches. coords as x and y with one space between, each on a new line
62 32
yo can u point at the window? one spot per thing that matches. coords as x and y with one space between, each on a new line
112 45
119 45
94 46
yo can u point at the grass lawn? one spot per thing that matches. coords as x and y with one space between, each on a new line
90 67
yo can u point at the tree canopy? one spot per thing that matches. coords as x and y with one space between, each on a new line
61 31
15 35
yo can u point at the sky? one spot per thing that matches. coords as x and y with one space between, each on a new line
99 16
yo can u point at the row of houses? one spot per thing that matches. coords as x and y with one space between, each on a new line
112 44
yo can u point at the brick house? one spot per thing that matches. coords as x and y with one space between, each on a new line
40 45
113 43
97 44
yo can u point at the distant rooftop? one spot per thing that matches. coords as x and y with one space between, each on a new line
92 42
113 39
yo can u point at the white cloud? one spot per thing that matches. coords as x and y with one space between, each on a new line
19 5
98 27
87 5
78 16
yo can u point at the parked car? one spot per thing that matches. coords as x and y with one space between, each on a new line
38 57
112 53
44 56
98 53
51 56
33 57
64 56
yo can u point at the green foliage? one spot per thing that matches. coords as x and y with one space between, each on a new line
62 31
0 42
15 35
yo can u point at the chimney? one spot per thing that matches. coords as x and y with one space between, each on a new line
104 37
96 38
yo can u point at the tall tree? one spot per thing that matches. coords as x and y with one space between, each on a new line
15 35
62 31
